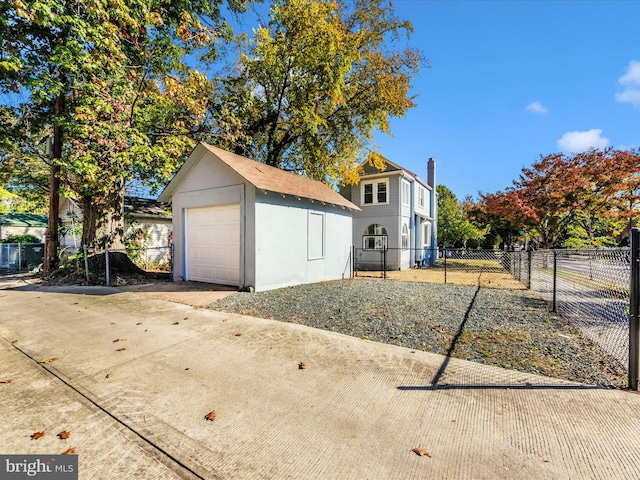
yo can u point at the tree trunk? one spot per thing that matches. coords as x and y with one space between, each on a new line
114 223
52 240
89 222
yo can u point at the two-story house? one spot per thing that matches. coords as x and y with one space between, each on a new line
398 213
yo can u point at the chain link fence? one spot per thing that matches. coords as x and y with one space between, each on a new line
110 267
21 256
590 288
487 268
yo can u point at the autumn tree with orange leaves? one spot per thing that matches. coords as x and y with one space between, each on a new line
586 199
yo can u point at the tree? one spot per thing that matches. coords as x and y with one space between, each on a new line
314 84
454 228
92 77
586 199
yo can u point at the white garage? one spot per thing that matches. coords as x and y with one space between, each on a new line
213 244
239 222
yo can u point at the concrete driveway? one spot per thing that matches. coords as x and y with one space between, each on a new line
131 377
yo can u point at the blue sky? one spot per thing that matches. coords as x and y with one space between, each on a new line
510 80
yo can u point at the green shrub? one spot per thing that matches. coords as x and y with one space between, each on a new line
24 238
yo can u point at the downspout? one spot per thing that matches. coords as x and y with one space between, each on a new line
412 224
433 207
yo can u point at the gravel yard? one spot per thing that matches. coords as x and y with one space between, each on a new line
508 328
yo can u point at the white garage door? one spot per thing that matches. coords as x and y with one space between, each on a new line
213 244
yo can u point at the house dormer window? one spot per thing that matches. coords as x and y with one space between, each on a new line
375 192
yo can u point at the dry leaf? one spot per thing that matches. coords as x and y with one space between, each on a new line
211 415
421 452
238 334
302 365
69 451
119 340
186 318
139 323
175 323
146 330
64 435
109 375
8 380
49 360
121 349
14 341
37 435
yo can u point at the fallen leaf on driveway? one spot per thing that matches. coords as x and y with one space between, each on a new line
302 365
421 452
120 340
8 380
211 415
121 349
64 435
48 360
69 451
139 323
37 435
109 375
175 323
238 334
14 341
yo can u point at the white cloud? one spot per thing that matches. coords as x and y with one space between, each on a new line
536 107
631 82
632 77
577 142
630 95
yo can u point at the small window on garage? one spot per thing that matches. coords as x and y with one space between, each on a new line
316 236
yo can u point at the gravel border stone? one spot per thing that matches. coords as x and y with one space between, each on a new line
508 328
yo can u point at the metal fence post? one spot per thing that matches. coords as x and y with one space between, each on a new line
555 276
106 262
444 251
86 261
529 254
634 314
384 262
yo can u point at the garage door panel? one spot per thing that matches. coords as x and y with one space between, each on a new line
213 244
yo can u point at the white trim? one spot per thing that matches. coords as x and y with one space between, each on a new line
323 234
374 192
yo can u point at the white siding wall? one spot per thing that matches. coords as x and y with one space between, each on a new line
209 183
283 253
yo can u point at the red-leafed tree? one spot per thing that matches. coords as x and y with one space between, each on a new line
586 199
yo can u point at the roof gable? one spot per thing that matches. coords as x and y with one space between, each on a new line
261 176
392 168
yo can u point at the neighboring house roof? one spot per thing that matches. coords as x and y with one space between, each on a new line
135 206
263 177
146 207
23 220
